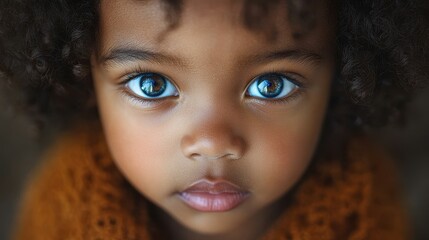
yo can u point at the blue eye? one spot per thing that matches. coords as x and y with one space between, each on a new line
151 86
271 86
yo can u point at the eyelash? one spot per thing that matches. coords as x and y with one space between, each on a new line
137 100
280 101
134 72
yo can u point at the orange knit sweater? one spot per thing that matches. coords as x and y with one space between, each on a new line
78 193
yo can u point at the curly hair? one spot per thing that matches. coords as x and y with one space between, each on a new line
382 52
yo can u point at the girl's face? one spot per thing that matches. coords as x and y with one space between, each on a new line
211 121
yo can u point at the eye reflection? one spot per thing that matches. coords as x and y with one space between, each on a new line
151 86
271 86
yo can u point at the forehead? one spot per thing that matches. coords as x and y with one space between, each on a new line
150 23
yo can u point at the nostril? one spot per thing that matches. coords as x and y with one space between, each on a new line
195 156
233 156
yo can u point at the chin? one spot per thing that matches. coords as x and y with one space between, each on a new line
210 223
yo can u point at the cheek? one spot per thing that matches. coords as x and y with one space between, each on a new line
284 152
137 147
280 164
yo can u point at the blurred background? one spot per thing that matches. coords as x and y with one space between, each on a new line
20 151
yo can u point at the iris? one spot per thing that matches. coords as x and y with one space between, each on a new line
270 85
153 85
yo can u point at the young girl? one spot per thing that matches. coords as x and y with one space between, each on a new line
216 119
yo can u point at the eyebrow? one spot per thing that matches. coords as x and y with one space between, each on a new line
300 55
129 54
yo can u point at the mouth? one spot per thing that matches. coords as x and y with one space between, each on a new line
213 196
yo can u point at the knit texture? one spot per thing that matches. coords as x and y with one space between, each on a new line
78 193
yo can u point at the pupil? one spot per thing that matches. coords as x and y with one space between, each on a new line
152 85
270 85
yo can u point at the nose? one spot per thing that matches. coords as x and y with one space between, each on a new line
211 141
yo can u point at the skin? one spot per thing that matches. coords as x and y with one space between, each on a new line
211 128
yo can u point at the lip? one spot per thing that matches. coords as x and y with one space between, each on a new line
213 196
